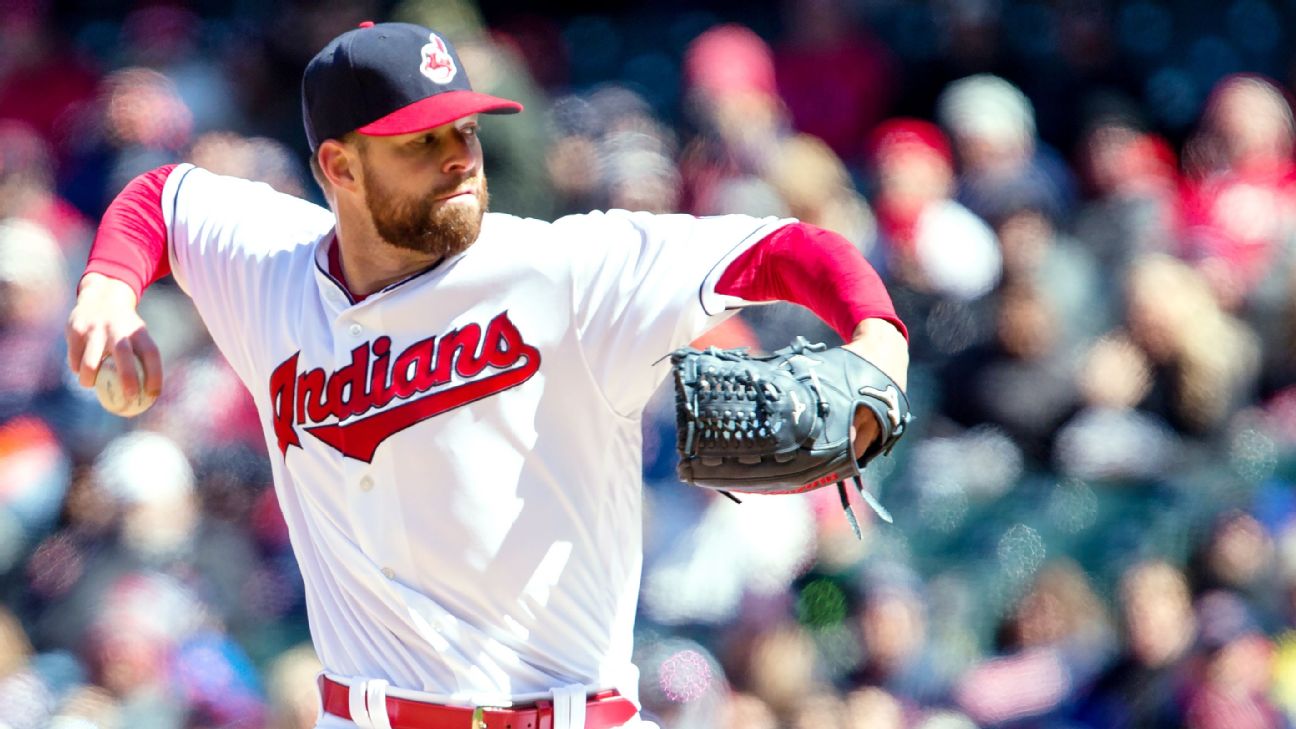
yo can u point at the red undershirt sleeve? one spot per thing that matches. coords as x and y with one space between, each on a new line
131 244
816 268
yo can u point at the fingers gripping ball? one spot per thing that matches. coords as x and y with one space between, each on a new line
108 386
781 423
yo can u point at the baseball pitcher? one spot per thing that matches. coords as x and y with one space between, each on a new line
451 398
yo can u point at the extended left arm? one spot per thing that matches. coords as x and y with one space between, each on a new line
880 342
822 271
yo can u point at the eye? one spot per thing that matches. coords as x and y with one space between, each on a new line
470 130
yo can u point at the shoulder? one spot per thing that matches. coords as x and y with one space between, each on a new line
603 233
241 208
602 221
501 230
618 219
618 228
499 226
195 187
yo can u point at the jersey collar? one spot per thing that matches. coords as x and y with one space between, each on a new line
335 272
328 269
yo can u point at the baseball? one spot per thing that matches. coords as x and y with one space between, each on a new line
108 386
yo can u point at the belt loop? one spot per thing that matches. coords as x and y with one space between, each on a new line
376 698
356 700
569 707
544 715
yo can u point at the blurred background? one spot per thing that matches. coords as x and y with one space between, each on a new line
1085 211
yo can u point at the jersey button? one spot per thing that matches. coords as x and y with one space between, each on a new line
366 483
355 330
389 573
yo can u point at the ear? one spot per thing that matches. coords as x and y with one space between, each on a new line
340 164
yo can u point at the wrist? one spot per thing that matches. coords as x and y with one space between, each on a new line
877 328
882 343
106 289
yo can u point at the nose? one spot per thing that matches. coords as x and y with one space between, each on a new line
461 155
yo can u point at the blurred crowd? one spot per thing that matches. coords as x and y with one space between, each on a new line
1085 212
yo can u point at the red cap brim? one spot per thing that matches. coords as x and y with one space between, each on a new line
437 110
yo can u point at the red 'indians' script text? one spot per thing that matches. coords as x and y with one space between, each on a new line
488 362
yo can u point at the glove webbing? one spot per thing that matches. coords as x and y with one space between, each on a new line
715 392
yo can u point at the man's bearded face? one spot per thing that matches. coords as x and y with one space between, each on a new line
422 223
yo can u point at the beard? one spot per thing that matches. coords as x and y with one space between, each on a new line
419 223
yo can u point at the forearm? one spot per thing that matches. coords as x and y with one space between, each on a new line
823 272
880 342
131 243
818 269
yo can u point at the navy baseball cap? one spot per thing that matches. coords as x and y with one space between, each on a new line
388 79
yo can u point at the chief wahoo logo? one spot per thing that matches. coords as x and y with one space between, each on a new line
437 64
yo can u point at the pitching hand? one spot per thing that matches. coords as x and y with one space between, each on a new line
104 321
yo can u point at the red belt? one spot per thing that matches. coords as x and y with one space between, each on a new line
603 710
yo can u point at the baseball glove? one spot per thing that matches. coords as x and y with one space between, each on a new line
781 423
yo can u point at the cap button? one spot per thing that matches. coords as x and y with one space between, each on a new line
367 24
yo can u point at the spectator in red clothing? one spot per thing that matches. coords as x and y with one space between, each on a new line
1240 202
43 83
931 243
837 79
729 72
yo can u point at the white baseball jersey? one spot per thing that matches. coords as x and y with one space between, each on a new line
458 455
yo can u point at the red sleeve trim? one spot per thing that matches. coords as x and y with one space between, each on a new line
816 268
131 244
